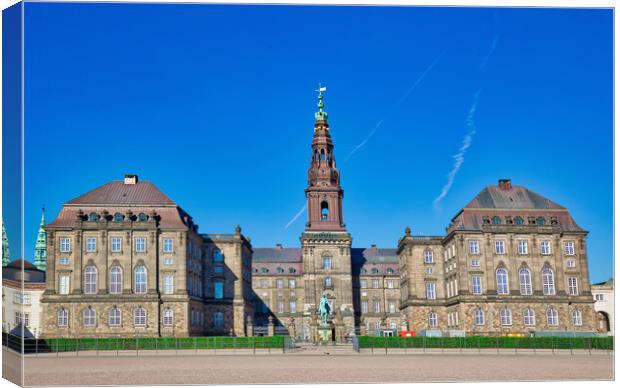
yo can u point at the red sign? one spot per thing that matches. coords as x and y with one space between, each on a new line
407 333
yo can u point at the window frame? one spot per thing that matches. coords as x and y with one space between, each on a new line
116 244
505 317
140 244
112 314
525 281
116 280
90 280
502 288
91 244
65 244
137 318
140 279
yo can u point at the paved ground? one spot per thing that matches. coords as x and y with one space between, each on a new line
303 368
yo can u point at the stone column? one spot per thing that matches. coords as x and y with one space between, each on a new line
249 327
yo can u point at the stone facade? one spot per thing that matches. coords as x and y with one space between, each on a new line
604 306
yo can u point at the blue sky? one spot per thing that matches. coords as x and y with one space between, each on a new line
215 105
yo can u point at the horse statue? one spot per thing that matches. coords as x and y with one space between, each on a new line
324 309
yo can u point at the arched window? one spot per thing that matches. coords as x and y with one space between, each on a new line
292 270
116 280
114 316
168 317
118 217
324 211
576 315
264 270
548 281
62 318
528 317
90 280
328 282
505 317
322 154
501 276
496 220
389 271
552 317
518 220
478 317
375 271
142 217
140 280
280 270
540 220
432 319
254 270
363 271
139 317
89 317
93 217
525 281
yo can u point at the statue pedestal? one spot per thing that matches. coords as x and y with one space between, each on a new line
325 333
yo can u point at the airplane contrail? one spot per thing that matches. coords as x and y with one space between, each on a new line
295 217
484 61
398 103
459 158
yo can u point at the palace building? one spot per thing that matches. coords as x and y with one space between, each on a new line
125 260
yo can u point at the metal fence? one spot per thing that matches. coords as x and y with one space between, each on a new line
147 346
386 345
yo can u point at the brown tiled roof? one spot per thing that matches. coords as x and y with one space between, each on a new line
515 197
18 264
119 193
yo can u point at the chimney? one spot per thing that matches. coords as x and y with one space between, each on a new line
279 247
505 184
131 179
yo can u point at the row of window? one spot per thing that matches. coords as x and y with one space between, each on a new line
278 270
118 217
518 220
505 317
116 244
376 306
500 249
375 271
89 317
389 283
501 277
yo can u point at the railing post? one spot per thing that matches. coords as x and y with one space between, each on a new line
497 344
77 346
36 346
97 346
195 346
590 346
156 345
254 345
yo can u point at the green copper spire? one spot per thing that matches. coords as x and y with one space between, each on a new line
321 114
40 248
6 254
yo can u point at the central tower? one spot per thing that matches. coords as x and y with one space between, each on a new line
326 243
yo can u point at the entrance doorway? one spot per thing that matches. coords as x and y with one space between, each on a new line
603 321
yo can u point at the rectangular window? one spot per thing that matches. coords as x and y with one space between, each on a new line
63 261
572 286
168 245
363 283
430 291
264 283
279 283
218 257
375 283
500 248
140 244
474 249
392 307
327 263
429 270
292 306
475 263
364 307
168 284
389 283
428 257
280 306
91 244
599 297
218 290
21 298
63 284
569 248
116 244
168 261
376 306
218 269
522 247
291 283
571 263
65 245
476 285
545 247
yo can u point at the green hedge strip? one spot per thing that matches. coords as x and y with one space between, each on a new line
475 342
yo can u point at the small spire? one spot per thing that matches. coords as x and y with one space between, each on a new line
321 114
40 248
